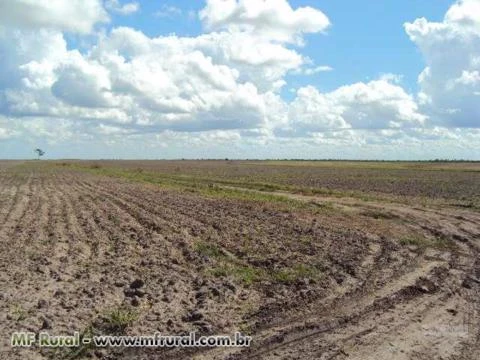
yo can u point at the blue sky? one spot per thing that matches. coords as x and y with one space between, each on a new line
367 41
362 43
240 78
379 45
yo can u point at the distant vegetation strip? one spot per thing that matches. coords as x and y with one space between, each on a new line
205 186
248 188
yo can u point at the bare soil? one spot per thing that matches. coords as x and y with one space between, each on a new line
341 278
455 182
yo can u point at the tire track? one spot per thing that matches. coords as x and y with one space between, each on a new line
292 337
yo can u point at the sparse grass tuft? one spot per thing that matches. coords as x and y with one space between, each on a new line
209 250
301 271
114 218
418 241
244 273
443 243
80 352
248 274
118 320
377 214
422 242
18 313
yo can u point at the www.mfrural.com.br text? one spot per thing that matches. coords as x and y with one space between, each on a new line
44 339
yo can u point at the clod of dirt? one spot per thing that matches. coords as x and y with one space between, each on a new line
46 324
452 311
474 279
137 284
135 301
192 316
140 293
426 286
202 293
129 292
466 283
41 304
99 354
205 327
215 291
230 286
89 293
41 269
166 298
58 293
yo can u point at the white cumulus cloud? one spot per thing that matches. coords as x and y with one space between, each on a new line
451 50
273 19
72 15
378 104
123 9
168 11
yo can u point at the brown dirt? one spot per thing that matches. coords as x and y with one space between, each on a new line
453 182
333 284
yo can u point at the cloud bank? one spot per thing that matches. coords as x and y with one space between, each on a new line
224 85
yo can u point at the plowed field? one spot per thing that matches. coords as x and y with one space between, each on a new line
308 276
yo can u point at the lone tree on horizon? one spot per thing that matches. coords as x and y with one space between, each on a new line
39 152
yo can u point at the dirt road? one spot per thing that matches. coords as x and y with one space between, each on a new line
430 311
